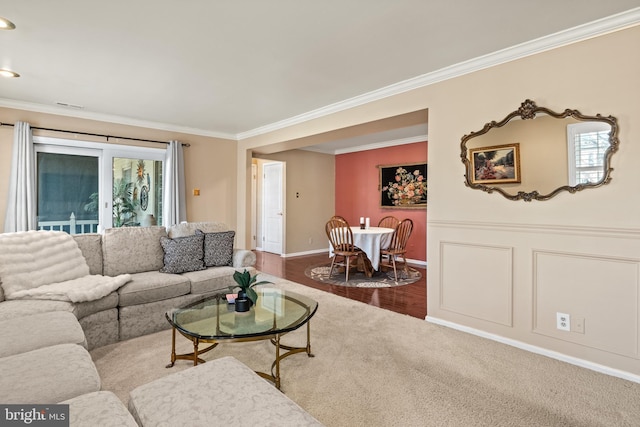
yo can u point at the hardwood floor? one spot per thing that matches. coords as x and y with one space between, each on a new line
408 299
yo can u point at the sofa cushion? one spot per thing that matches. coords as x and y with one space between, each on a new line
221 392
91 247
48 375
31 259
218 248
22 334
189 228
87 308
152 286
100 408
183 254
213 279
19 308
132 250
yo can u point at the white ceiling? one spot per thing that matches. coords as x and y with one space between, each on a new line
237 68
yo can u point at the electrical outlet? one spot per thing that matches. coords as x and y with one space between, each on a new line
563 321
578 325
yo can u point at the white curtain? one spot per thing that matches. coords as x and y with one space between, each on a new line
21 203
174 210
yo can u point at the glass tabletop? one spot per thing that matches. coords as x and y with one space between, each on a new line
276 311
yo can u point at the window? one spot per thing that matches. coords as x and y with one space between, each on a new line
587 143
85 187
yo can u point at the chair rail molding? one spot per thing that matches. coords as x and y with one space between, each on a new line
611 232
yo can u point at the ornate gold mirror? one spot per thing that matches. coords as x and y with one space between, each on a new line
535 153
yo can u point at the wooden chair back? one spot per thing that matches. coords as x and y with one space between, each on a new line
401 236
389 221
340 235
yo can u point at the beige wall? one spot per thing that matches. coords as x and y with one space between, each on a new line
309 198
204 168
525 261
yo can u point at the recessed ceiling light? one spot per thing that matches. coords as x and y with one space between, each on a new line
5 24
8 73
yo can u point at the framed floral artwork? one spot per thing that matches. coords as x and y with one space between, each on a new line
403 186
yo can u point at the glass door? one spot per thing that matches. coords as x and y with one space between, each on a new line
68 192
137 192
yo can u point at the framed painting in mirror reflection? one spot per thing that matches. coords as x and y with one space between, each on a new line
403 186
498 164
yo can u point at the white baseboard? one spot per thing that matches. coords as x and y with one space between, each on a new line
417 262
312 252
320 251
539 350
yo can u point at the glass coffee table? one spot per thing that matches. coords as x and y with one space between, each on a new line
213 320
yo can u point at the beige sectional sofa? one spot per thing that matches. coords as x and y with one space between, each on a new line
44 341
138 307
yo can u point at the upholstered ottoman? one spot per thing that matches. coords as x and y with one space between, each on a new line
48 375
22 334
100 408
221 392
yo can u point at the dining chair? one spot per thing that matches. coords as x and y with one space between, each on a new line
341 239
397 247
389 221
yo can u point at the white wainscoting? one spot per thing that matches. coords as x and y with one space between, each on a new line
599 293
511 280
482 286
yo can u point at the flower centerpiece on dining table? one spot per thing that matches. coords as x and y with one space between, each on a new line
408 188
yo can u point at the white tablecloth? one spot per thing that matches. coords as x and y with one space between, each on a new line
370 240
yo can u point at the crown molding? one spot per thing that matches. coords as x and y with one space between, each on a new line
372 146
583 32
62 111
384 144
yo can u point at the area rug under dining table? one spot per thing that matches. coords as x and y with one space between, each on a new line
358 279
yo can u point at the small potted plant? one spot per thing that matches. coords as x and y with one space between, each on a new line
247 296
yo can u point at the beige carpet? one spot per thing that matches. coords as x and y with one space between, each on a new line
373 367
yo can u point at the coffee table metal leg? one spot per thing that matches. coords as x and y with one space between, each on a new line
194 356
277 376
173 348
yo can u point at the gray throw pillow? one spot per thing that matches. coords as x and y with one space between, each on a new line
218 248
183 254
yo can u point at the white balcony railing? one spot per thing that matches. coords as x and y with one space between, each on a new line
72 226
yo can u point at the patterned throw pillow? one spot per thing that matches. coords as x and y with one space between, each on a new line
218 248
183 254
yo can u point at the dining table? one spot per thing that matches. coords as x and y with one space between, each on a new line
370 240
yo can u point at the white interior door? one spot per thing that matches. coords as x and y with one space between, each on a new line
273 207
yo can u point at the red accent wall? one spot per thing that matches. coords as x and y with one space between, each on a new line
357 194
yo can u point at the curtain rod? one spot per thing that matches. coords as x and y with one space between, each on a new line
96 134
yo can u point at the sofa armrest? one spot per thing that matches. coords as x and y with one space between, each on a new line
243 258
